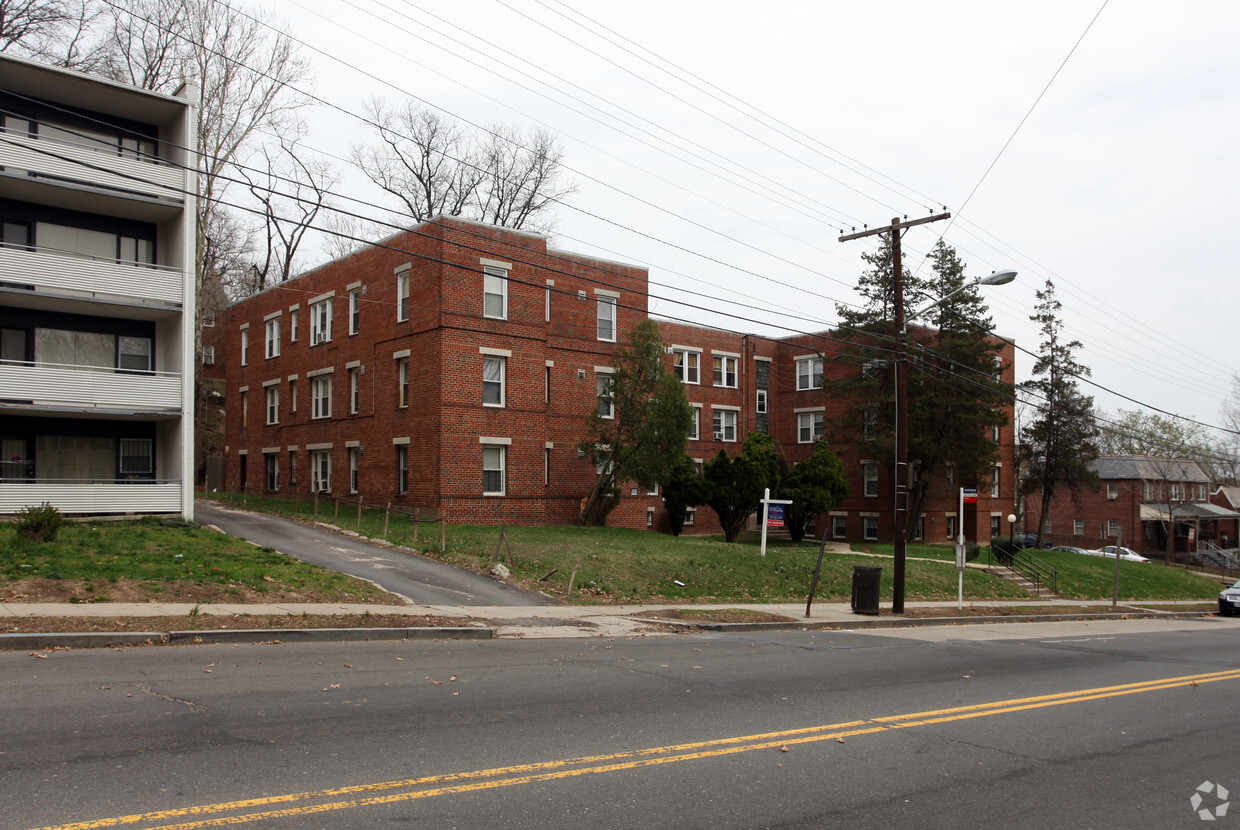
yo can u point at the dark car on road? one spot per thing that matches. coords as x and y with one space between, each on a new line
1229 600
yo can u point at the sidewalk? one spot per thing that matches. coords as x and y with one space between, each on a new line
531 622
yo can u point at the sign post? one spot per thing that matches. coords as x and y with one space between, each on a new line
772 514
966 494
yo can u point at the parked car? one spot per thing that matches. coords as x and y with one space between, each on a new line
1029 540
1070 549
1127 554
1229 600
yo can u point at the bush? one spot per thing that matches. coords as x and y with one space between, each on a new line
39 524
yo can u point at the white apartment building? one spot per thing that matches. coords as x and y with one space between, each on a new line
97 296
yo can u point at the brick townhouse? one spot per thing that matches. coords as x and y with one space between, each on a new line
1136 496
455 366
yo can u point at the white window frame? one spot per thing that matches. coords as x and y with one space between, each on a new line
402 468
760 402
690 517
355 461
321 322
502 383
869 528
606 403
321 396
1078 527
271 471
499 463
723 423
807 368
1113 529
321 471
839 527
950 525
355 389
245 347
695 427
292 394
402 383
355 311
273 337
208 355
690 364
402 296
607 317
273 404
996 475
292 325
1112 492
809 427
720 364
495 284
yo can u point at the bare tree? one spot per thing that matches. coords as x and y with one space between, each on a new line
432 165
291 186
60 32
343 233
151 49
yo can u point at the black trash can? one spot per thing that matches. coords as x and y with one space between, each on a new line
865 584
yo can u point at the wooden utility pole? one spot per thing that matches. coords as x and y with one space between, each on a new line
899 503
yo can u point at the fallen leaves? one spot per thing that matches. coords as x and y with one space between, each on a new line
38 654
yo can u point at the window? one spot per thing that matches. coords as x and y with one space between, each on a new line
869 528
809 427
402 382
273 337
273 408
606 405
693 424
951 528
292 326
494 292
1078 527
355 311
919 530
760 402
354 459
839 527
15 234
1177 491
1113 528
995 527
292 468
245 346
402 296
355 387
321 322
724 424
725 371
402 469
493 371
1112 492
685 364
546 466
869 472
869 424
994 434
809 373
321 470
208 355
649 517
995 472
271 471
690 517
321 396
292 395
245 408
493 469
607 319
137 457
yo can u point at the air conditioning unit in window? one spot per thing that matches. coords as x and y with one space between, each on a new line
320 337
718 436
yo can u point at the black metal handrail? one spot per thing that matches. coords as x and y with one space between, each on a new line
1027 565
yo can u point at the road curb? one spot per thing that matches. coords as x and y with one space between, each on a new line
860 623
103 639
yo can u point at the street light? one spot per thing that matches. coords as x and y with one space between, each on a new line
1012 528
900 542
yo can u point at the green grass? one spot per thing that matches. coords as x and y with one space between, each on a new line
154 555
1093 577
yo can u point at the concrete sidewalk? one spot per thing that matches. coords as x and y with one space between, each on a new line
528 622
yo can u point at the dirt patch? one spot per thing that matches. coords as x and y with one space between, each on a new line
723 615
1028 611
135 590
44 625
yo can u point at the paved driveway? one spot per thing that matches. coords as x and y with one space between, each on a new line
422 580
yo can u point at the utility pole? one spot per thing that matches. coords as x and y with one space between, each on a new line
899 504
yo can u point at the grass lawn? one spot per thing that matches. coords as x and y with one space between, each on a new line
1092 577
137 561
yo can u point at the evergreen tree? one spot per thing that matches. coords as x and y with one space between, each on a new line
682 489
815 486
734 486
1059 443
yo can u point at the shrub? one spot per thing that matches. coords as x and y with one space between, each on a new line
39 524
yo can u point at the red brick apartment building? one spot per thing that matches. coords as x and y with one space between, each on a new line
455 365
1136 497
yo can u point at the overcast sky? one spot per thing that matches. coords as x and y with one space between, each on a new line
1117 186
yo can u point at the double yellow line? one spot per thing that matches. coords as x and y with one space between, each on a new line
345 798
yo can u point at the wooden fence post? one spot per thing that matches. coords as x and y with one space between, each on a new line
336 513
387 514
316 505
359 512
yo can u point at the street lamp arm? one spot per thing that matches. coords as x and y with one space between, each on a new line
997 278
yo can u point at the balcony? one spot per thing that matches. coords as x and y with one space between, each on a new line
92 497
102 167
90 389
64 270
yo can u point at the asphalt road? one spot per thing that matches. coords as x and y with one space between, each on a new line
1044 725
424 581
